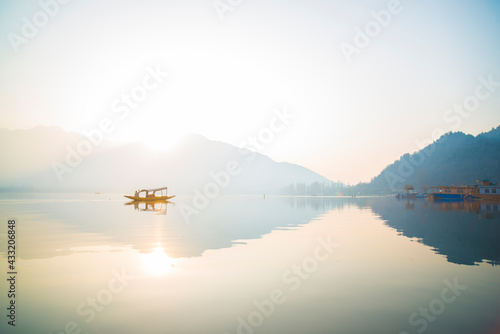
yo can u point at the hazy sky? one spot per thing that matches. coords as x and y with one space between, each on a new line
228 69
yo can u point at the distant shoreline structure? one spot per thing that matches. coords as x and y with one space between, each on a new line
484 190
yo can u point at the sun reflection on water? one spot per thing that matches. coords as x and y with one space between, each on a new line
158 262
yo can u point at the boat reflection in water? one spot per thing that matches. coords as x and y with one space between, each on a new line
484 209
159 207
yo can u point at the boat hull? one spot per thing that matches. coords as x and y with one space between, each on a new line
489 197
446 197
150 199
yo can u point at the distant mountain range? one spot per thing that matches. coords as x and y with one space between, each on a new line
453 159
50 159
47 159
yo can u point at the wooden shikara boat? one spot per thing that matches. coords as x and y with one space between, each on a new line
157 194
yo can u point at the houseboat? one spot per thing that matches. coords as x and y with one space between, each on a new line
488 190
451 192
483 190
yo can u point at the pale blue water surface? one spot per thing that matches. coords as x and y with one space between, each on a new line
88 263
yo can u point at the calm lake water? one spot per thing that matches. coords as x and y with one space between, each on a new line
88 263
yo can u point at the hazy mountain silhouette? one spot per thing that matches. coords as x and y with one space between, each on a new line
453 159
28 155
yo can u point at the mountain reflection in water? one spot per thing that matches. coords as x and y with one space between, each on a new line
466 232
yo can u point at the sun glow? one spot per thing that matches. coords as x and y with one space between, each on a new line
155 137
160 144
158 262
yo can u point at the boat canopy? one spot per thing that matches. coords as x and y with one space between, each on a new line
152 190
